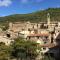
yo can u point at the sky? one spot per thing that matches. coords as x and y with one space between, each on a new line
9 7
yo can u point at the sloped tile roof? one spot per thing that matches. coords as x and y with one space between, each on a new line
33 35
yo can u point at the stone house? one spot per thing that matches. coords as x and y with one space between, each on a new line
5 40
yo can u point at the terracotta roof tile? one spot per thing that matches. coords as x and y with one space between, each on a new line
44 34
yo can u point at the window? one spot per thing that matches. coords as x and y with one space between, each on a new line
8 35
45 42
29 38
37 37
46 37
44 48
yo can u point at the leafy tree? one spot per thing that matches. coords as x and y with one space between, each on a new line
24 49
5 28
4 52
48 57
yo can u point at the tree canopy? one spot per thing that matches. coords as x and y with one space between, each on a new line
24 49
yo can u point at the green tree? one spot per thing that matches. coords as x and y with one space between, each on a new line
24 49
4 52
5 28
48 57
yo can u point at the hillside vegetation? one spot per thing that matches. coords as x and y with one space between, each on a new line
34 17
